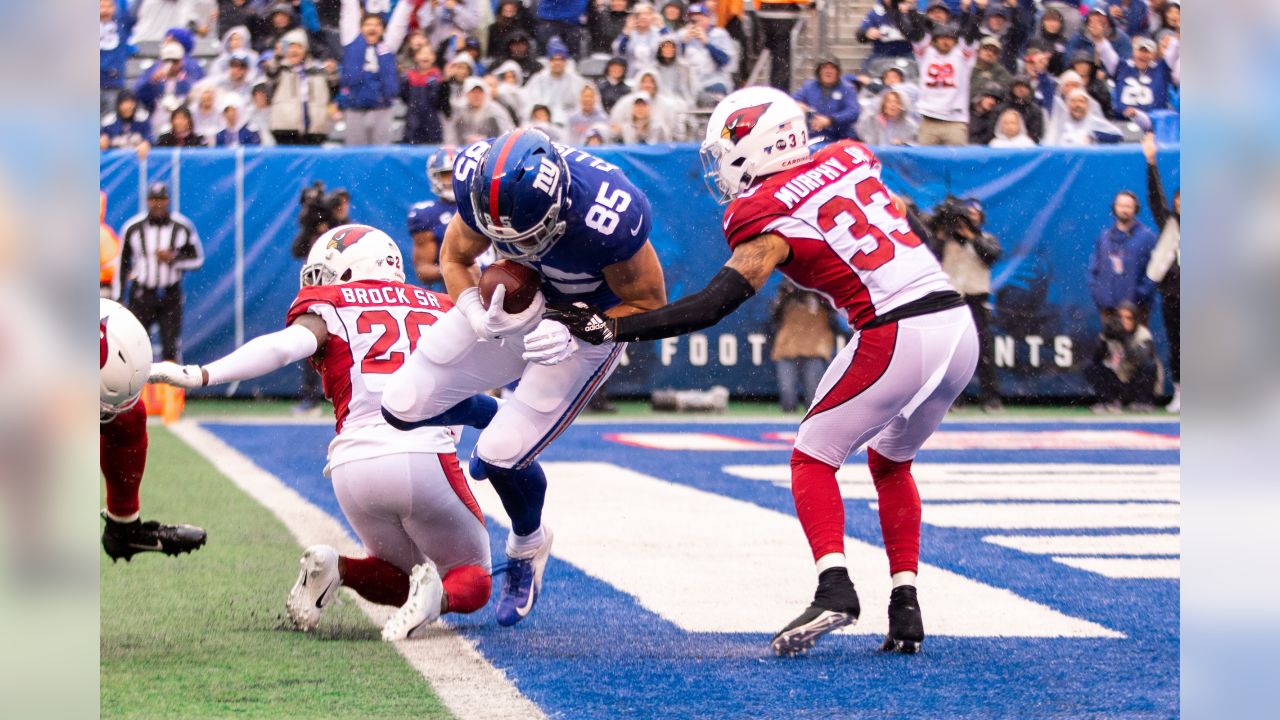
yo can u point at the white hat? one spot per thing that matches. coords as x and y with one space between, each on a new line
172 51
473 83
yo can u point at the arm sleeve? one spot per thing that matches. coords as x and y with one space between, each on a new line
971 30
1108 56
726 291
349 21
191 255
1095 286
398 25
848 113
263 354
309 16
1155 195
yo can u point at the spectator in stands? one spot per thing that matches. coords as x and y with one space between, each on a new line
887 41
518 50
1051 33
280 19
507 88
712 56
1011 131
562 19
674 72
540 119
728 15
1124 366
673 15
776 20
555 86
369 79
237 81
511 16
476 117
236 44
1095 80
456 72
1100 35
640 126
988 68
804 336
588 114
982 118
638 43
154 18
896 79
1171 17
830 104
596 136
1022 100
405 58
1011 25
239 13
891 124
1035 64
1165 267
114 51
300 105
235 131
613 86
1080 124
664 107
181 132
1131 15
164 86
206 115
183 37
424 99
946 57
127 127
605 21
258 114
1143 83
1117 270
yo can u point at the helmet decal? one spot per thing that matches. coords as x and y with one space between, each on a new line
346 238
741 122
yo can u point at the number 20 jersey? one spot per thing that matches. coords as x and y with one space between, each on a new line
373 326
848 241
607 220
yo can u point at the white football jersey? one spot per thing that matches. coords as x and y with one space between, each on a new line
944 80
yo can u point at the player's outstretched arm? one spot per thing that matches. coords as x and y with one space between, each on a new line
638 282
462 246
259 356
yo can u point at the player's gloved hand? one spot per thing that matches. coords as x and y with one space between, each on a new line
550 343
183 376
499 323
472 308
584 322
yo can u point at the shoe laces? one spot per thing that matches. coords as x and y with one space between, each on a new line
516 571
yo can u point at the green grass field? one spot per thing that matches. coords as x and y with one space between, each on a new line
205 635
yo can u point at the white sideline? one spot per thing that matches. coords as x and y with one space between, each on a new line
467 684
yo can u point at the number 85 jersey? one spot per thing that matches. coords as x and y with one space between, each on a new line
848 240
373 326
607 220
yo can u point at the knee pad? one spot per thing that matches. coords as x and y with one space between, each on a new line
501 445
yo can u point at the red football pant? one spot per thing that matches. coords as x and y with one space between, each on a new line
899 511
818 503
123 458
467 587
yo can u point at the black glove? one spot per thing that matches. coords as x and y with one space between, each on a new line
584 322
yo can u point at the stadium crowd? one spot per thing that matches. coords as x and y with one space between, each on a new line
1005 73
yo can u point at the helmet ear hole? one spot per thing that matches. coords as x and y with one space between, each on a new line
346 275
739 162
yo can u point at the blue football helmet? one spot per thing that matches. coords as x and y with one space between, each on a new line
518 193
438 165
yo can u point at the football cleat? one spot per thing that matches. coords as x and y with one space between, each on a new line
524 582
835 605
421 609
906 628
124 540
317 584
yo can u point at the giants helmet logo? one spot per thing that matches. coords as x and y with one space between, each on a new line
348 237
741 122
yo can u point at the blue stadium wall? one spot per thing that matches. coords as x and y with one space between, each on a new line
1046 205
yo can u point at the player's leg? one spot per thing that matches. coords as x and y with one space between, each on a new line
948 347
542 407
123 458
170 319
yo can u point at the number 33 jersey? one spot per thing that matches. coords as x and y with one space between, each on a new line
848 240
607 220
373 326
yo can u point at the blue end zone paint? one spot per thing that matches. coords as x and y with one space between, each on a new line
591 652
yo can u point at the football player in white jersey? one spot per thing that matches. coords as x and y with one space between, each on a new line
827 222
403 492
946 54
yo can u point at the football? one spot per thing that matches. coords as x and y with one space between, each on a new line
522 283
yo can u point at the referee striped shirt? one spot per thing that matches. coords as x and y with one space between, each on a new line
142 238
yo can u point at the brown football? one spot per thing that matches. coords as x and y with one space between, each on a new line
522 283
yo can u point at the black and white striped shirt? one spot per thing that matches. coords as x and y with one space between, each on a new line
140 240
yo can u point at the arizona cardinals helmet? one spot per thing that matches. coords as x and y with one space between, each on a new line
353 252
755 131
124 359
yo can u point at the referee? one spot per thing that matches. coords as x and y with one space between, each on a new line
157 248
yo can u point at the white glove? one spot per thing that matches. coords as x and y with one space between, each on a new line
183 376
472 308
499 323
550 343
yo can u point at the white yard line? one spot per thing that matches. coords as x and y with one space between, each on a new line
467 684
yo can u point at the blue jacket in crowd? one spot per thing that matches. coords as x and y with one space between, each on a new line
1144 90
840 103
1118 267
892 43
423 94
1136 20
561 10
114 49
150 92
243 136
369 78
1082 42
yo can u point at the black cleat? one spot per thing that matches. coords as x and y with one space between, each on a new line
906 628
834 606
124 540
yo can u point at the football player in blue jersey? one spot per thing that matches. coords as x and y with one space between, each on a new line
429 218
584 227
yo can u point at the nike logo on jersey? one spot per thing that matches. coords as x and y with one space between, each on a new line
636 231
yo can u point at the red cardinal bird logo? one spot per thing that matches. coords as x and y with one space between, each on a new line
741 122
347 238
102 341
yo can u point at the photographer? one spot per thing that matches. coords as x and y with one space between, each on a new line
1124 367
967 254
315 217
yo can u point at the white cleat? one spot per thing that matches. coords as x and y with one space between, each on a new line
317 584
421 609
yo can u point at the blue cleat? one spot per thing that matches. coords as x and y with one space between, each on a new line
524 583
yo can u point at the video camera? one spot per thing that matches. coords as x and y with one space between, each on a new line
950 216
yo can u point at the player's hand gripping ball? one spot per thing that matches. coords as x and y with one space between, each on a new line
521 282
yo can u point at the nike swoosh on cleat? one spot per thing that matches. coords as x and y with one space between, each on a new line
320 599
157 546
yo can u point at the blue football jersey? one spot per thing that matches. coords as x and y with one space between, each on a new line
1144 90
607 220
433 215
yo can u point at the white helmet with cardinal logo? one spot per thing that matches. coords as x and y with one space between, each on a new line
753 132
124 359
349 253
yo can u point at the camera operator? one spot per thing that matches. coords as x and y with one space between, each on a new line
967 254
315 217
1124 367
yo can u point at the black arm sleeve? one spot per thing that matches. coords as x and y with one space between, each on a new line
726 291
911 25
971 27
1155 196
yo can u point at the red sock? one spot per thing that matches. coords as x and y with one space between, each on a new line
123 457
818 503
899 511
376 580
467 588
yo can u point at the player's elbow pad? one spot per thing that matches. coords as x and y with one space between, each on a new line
726 291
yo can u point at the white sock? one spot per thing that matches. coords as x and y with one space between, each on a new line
904 578
830 560
524 544
124 519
